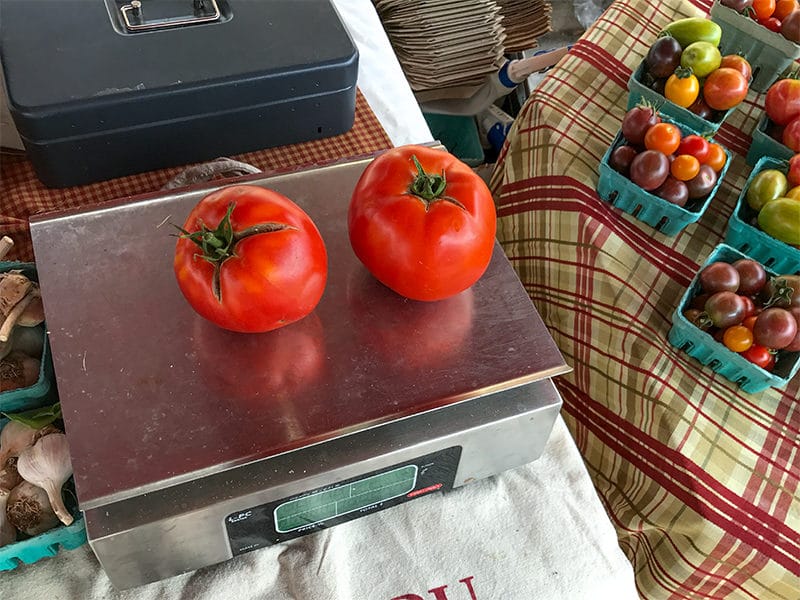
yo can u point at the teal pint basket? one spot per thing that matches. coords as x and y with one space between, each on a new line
740 234
764 145
703 347
768 52
43 391
666 217
637 91
32 549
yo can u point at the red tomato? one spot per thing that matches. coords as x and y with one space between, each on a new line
250 260
782 102
422 222
724 89
794 170
772 24
738 63
791 135
760 356
694 145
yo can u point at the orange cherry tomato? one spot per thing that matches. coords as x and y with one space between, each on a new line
750 322
684 167
716 157
682 87
664 137
784 7
737 338
763 9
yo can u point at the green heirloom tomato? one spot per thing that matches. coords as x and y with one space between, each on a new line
767 185
780 218
702 58
694 29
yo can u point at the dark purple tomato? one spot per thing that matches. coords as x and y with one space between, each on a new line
790 26
775 131
775 328
621 158
649 169
737 5
701 184
783 291
725 309
658 86
794 346
697 317
674 191
719 277
752 276
636 122
699 301
701 109
664 57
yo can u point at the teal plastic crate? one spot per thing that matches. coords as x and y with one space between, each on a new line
768 52
763 145
49 543
459 134
772 253
43 391
638 91
703 347
664 216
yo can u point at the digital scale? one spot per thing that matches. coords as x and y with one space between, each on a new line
192 445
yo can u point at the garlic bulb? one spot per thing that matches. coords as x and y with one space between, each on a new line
29 509
16 436
10 477
47 464
8 534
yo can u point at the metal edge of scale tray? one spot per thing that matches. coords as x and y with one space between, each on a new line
175 524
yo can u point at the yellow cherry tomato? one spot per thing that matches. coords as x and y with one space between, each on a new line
793 193
682 87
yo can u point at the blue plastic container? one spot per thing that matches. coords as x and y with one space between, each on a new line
763 145
638 91
43 391
664 216
700 345
773 254
43 545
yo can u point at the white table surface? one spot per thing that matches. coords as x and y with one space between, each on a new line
535 532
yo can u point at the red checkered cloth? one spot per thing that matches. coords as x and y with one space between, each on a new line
699 478
23 195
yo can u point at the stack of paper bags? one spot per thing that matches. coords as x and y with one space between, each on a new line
448 48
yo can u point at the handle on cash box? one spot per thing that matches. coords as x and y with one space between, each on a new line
204 11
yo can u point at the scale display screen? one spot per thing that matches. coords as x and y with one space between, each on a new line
317 509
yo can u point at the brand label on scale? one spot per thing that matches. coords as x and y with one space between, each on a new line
324 507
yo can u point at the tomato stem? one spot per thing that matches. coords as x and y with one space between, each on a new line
429 188
218 245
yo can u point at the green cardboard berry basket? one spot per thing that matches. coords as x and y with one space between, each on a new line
764 145
43 390
746 238
638 91
666 217
768 52
49 543
703 347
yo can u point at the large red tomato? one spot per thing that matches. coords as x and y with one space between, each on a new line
725 88
782 102
250 260
422 222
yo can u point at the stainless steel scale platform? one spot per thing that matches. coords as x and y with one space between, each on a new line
192 445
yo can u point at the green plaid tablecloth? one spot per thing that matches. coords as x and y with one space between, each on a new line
699 478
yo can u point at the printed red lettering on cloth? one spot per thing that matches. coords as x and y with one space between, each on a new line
440 593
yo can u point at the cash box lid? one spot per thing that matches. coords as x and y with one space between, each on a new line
72 66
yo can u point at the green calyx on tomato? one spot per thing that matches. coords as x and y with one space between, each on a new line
218 245
429 188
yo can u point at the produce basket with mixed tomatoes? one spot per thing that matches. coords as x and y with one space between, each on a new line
741 320
778 131
766 221
662 173
38 511
687 77
26 368
766 32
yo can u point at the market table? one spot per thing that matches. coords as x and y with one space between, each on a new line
535 531
699 478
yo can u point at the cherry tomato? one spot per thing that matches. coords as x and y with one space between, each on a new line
664 137
790 27
738 63
791 135
422 222
772 24
750 322
749 306
636 122
765 186
250 260
650 169
760 356
674 191
737 338
701 184
752 276
775 328
782 102
763 9
621 159
725 88
783 291
793 176
794 346
725 309
682 88
663 57
784 7
694 145
719 276
684 167
716 157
